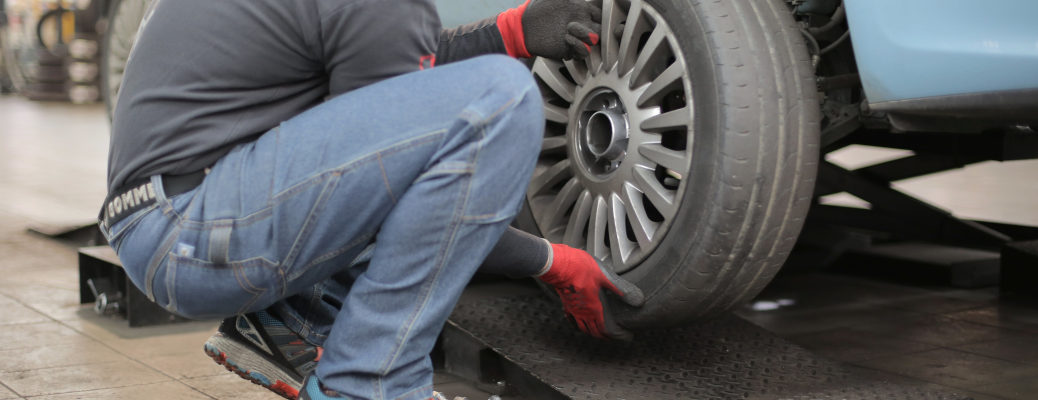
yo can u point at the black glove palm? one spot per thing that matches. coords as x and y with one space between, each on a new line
561 29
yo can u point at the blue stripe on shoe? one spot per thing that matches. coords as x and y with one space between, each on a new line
312 390
259 377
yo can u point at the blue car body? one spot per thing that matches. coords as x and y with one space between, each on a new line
931 48
458 12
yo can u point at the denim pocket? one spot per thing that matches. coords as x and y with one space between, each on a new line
201 289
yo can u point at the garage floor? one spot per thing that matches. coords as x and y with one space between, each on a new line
52 168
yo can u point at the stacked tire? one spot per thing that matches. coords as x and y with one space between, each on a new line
84 55
6 86
45 78
34 70
123 20
44 64
84 78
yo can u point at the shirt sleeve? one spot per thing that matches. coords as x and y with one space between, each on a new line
366 41
470 40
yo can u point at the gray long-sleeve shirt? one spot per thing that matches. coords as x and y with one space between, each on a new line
206 75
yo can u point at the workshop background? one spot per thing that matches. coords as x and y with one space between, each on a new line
944 322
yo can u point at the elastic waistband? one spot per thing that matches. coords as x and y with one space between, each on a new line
140 194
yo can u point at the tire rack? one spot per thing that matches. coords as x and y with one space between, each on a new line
45 78
65 71
84 55
103 281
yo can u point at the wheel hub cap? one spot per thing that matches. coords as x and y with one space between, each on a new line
603 131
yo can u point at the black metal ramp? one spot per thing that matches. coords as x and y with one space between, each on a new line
518 340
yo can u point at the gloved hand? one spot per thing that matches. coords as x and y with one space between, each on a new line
580 282
556 29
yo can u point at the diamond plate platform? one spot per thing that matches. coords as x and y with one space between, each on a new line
521 341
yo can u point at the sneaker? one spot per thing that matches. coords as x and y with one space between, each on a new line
260 348
313 390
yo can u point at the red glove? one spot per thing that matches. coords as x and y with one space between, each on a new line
580 280
556 29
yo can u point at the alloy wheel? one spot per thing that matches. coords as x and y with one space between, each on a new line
618 139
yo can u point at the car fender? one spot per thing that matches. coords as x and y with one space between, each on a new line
933 48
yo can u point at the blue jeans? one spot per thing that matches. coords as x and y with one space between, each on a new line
430 165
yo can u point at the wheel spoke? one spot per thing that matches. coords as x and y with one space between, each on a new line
659 196
555 113
619 246
596 229
628 47
652 46
589 65
611 17
549 177
673 159
548 71
667 121
552 144
594 63
578 70
668 80
558 208
643 227
578 220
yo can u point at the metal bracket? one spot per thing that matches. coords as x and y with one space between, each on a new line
899 214
1008 145
103 282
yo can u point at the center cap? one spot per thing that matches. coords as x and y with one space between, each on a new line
602 132
606 134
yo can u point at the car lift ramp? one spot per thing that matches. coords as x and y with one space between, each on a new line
515 342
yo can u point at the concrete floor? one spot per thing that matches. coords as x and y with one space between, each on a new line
52 172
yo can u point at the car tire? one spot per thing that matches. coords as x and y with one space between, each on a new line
13 67
124 19
6 84
45 91
40 73
697 199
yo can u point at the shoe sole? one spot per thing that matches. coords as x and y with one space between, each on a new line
249 365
